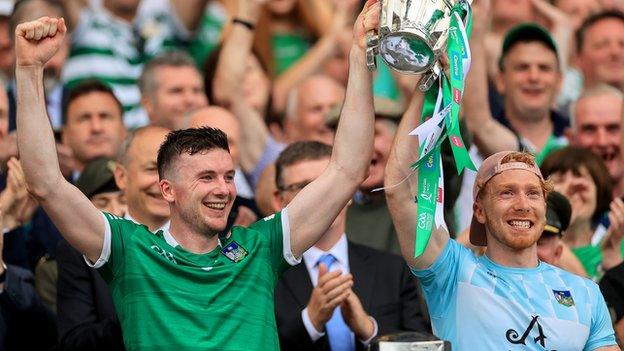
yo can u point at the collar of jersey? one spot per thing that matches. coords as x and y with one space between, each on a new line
517 270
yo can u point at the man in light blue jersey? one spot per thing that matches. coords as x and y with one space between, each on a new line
506 299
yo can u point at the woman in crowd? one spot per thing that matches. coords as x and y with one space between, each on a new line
594 237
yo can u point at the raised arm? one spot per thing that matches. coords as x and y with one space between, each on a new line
489 135
313 60
400 194
72 213
313 210
227 84
189 12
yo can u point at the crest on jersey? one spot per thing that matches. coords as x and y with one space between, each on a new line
564 297
234 252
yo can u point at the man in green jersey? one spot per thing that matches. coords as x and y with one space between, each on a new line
186 288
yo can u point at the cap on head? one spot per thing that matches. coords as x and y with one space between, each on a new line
97 177
526 33
492 166
558 214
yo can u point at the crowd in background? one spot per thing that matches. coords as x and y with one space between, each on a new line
546 77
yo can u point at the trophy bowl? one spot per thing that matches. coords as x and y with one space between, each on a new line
412 34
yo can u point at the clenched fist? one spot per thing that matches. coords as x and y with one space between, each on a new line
37 41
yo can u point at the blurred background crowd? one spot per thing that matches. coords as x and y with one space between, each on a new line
546 76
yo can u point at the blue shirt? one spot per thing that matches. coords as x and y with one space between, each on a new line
477 304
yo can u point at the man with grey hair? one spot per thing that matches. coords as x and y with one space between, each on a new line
307 107
171 86
136 176
595 120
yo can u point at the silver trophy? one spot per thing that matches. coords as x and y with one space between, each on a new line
412 35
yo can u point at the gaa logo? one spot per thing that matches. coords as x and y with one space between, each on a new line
457 96
456 140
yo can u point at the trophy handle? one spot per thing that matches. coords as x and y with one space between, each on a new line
372 49
430 77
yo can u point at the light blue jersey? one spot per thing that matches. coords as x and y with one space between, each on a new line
477 304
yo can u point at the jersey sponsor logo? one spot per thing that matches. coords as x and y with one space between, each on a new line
564 297
513 337
163 253
234 252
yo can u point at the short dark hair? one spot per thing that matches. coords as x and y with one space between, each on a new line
572 158
591 21
84 88
189 141
298 152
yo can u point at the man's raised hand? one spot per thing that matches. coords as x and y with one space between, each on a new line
37 41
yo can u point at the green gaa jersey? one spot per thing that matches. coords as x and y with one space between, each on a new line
168 298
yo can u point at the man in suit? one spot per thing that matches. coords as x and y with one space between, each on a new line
86 315
25 322
344 294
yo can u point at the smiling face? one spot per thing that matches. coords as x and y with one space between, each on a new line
138 177
202 192
513 209
601 59
530 79
579 188
597 127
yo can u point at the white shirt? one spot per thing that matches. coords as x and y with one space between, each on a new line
310 258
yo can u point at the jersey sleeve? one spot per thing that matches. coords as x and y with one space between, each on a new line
114 246
276 227
439 281
601 331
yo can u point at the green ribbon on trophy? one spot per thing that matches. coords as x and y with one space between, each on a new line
439 124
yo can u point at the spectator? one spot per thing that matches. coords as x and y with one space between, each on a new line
93 125
509 217
368 219
612 287
286 30
558 212
111 42
308 318
86 315
308 105
17 208
136 175
8 144
25 322
6 49
529 80
595 123
600 51
582 177
171 87
201 278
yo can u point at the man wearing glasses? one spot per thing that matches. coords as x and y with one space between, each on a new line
344 294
